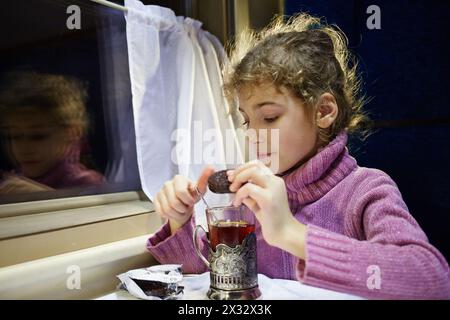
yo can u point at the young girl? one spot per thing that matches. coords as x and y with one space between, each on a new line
44 121
321 219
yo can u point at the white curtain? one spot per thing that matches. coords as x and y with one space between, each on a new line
180 115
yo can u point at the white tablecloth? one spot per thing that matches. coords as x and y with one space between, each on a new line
196 287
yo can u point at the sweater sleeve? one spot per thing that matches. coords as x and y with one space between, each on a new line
392 260
178 248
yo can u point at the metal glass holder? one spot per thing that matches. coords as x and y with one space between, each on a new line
233 271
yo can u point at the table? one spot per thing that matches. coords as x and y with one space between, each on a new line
196 287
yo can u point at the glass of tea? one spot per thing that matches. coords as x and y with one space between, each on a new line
232 253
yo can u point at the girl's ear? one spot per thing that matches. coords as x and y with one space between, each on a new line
326 111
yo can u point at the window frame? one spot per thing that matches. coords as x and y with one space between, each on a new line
25 218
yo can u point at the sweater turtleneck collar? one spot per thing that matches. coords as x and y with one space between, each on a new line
321 173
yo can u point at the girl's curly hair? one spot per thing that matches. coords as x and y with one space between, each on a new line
62 97
306 56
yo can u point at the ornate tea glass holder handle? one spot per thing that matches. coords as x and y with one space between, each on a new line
197 249
233 272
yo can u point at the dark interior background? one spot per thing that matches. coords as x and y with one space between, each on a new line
405 67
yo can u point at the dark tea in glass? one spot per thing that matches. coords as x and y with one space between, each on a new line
231 233
229 225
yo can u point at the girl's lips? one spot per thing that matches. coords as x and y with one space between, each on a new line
29 163
265 157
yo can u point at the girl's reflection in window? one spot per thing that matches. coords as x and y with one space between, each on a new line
44 121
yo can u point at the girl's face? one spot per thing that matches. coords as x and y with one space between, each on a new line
266 107
36 143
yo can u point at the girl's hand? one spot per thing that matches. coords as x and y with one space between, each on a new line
176 199
265 194
16 184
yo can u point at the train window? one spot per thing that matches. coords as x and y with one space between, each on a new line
66 121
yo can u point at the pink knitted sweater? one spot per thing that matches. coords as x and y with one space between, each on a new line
358 228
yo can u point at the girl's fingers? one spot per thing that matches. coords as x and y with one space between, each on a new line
174 202
202 181
169 212
251 204
164 206
252 191
157 206
11 186
254 174
182 191
4 188
254 163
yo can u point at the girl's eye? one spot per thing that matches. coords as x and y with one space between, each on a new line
245 123
39 137
32 137
270 119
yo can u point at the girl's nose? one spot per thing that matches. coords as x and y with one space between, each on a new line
262 135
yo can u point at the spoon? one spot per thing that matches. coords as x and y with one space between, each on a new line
201 196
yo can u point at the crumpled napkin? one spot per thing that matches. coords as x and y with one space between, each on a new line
160 282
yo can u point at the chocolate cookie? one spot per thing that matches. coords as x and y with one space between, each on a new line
218 182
